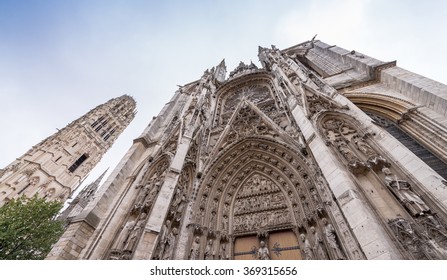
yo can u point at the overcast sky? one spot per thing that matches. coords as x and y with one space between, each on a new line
59 59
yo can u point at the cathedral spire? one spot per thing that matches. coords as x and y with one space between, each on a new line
88 191
82 199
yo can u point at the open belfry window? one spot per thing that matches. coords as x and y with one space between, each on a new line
78 162
97 121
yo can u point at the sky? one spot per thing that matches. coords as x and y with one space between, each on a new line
59 59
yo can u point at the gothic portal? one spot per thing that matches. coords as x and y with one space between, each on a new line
321 153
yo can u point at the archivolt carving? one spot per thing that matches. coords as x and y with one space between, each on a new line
259 185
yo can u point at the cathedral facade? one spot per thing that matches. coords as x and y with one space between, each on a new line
321 153
55 167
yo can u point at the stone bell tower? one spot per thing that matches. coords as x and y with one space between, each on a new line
55 167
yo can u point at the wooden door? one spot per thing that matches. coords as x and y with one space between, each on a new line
283 245
246 248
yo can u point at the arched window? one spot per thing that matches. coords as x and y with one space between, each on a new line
78 162
420 151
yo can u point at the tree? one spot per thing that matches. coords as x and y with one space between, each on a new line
28 228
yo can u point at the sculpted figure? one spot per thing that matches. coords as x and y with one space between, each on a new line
209 255
134 235
150 198
225 223
195 249
141 197
364 147
163 232
320 254
223 251
345 151
179 208
263 252
124 234
169 244
407 197
307 248
331 237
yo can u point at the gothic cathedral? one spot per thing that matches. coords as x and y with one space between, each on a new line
55 167
321 153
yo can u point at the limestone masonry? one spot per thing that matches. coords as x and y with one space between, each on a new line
318 153
55 167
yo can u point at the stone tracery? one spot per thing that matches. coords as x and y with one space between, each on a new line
251 201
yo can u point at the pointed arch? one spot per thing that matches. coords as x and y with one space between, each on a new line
409 124
292 177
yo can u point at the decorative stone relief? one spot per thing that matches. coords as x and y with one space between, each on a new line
158 255
340 134
332 240
145 197
242 68
255 221
263 252
223 254
209 251
317 244
411 239
128 238
194 253
278 193
307 247
402 190
168 244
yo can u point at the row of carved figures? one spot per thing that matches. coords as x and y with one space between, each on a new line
314 246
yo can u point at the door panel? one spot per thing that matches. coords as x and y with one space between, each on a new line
246 248
283 245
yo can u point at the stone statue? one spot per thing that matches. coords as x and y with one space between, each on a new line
364 147
124 234
331 237
195 249
163 232
223 251
212 220
307 248
403 191
169 244
209 255
224 223
320 254
141 197
135 234
346 152
179 208
153 193
263 252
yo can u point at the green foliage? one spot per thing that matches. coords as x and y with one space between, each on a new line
28 228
